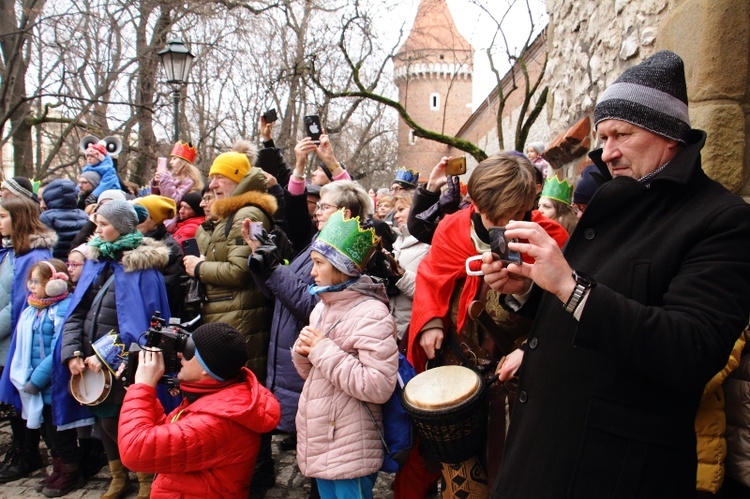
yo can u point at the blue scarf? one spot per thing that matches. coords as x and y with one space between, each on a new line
314 289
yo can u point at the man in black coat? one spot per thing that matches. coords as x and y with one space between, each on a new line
636 316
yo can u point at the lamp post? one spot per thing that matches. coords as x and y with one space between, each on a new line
177 60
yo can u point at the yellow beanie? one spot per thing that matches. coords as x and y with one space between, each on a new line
232 165
159 208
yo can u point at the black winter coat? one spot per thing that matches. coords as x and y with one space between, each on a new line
606 405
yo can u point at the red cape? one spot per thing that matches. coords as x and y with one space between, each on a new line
444 268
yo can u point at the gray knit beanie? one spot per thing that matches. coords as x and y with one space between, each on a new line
94 178
650 95
120 214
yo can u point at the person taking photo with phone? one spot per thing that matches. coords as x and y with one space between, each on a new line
502 188
636 315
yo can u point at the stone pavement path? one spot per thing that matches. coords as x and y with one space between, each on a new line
289 481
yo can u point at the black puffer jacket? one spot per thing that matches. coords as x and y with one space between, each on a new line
62 215
174 272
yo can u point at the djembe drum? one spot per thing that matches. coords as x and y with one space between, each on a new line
449 410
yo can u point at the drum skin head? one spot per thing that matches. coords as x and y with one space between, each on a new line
442 387
90 388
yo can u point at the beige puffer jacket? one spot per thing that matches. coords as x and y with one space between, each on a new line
336 439
231 293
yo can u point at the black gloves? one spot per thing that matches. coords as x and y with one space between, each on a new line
450 199
266 258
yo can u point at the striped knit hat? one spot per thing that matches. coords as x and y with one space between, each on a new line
651 95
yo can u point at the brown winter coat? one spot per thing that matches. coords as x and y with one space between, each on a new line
231 293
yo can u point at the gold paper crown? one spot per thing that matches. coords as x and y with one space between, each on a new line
559 190
348 239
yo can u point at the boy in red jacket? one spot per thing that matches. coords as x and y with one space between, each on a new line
208 445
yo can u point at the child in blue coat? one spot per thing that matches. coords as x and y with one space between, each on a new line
31 367
97 160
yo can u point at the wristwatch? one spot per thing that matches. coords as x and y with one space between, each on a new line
583 283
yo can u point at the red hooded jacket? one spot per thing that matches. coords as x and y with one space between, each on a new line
206 448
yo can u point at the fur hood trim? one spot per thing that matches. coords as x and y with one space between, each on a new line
151 254
43 240
222 208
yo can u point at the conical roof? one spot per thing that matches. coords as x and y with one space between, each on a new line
434 30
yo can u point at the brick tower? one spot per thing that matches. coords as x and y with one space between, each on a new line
433 71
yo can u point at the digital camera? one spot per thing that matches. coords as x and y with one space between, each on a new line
499 246
170 339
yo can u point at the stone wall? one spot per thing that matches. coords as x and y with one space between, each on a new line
591 42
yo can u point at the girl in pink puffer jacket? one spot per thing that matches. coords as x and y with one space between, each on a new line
348 357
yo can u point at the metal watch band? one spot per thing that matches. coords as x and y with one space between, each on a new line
582 284
575 298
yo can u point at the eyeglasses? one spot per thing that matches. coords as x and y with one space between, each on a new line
73 264
33 282
325 206
397 188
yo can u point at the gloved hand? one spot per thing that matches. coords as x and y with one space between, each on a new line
31 388
451 197
265 259
384 266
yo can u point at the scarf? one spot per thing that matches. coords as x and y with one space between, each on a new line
314 289
41 303
193 390
124 242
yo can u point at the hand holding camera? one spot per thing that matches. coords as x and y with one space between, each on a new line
150 367
500 248
267 120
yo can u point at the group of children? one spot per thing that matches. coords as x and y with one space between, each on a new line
50 338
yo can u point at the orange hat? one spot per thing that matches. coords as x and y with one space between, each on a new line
184 150
159 208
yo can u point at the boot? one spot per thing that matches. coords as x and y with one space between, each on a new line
118 487
144 485
69 479
11 458
26 463
57 465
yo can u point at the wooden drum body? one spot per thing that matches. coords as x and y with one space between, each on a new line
447 405
90 388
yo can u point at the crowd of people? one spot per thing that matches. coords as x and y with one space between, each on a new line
620 316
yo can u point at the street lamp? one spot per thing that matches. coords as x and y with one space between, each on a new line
177 60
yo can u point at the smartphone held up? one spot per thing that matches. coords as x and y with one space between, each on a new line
455 166
313 128
270 116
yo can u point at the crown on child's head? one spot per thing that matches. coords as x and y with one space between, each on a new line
345 244
407 178
554 188
184 150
